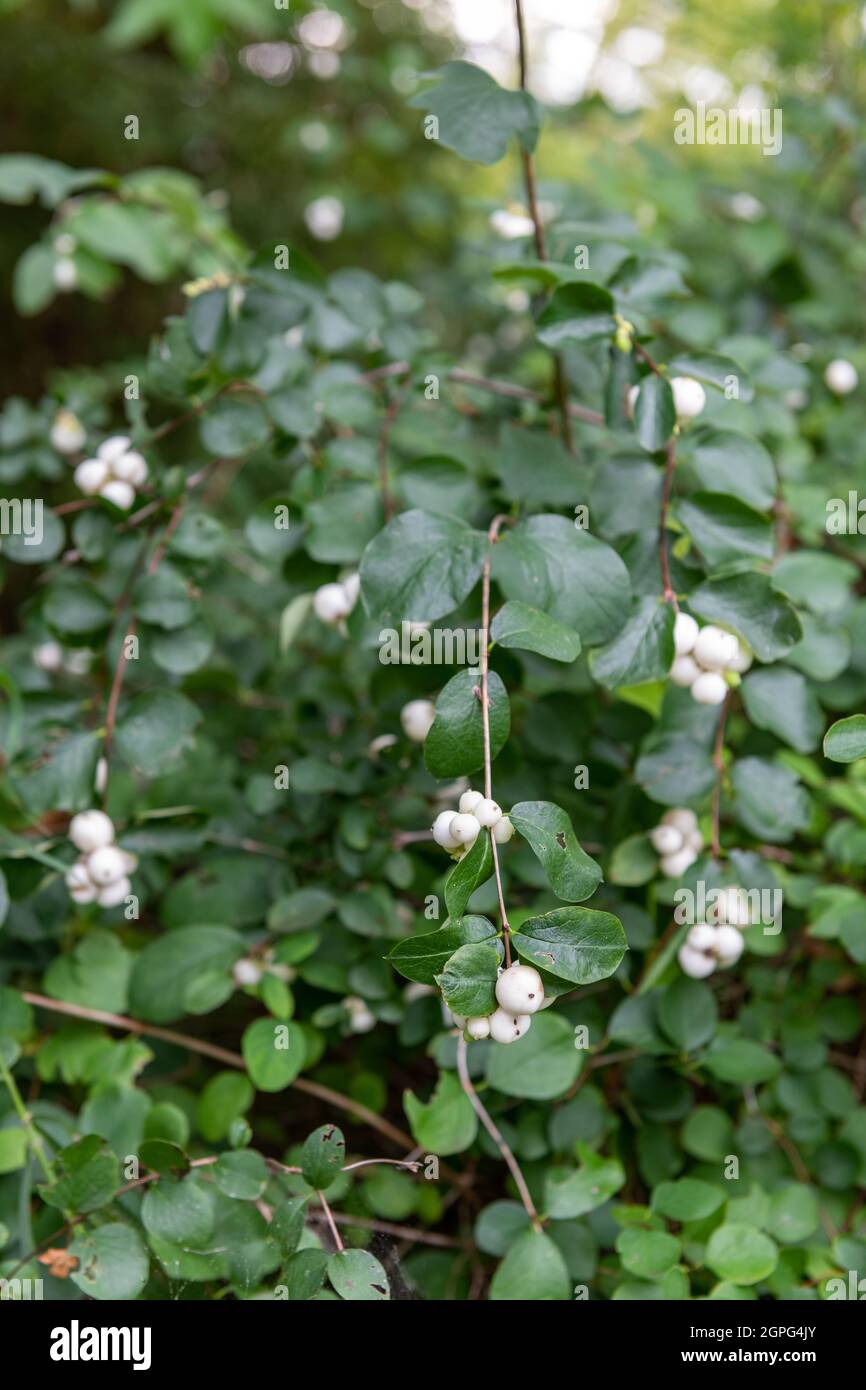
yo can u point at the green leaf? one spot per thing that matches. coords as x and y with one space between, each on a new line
33 280
675 769
224 1098
567 1195
571 873
654 413
421 958
341 524
687 1199
95 974
468 874
155 728
163 973
741 1254
357 1275
724 528
742 1062
323 1155
274 1053
518 625
533 1271
573 943
783 702
163 598
24 177
550 564
420 567
647 1254
129 234
539 1066
13 1150
88 1176
579 312
724 461
750 605
468 978
232 427
304 1274
446 1124
793 1214
770 800
112 1262
179 1211
642 650
845 741
454 746
74 611
243 1176
688 1013
476 117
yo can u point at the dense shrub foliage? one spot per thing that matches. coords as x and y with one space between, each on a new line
569 568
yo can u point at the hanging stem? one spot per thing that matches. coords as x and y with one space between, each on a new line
33 1135
668 593
480 1110
484 695
719 764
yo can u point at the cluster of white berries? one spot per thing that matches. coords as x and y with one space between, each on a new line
677 841
458 830
67 433
51 657
701 657
840 376
719 941
519 994
101 875
115 472
332 603
689 397
416 718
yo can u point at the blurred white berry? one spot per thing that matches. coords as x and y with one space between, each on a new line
709 688
675 865
685 633
742 661
331 603
118 493
487 813
352 588
503 831
324 217
464 829
91 475
681 817
48 656
113 894
130 468
469 800
519 990
841 376
689 397
100 778
506 1027
715 649
701 937
511 224
729 945
246 972
697 964
684 671
65 274
442 830
106 865
666 839
91 830
361 1020
80 884
112 447
478 1028
67 435
417 718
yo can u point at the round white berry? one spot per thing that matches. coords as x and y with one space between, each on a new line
488 813
729 945
695 963
464 829
361 1019
685 633
689 397
442 830
351 588
681 817
119 494
68 435
91 830
519 990
701 937
478 1028
675 865
113 894
841 376
417 718
503 831
506 1027
469 800
130 468
48 656
91 475
695 841
666 839
106 865
715 649
743 659
65 274
331 603
80 884
709 688
684 672
112 448
246 972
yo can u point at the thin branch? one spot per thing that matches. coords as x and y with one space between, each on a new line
484 694
479 1108
719 765
507 389
34 1138
388 1228
668 593
338 1240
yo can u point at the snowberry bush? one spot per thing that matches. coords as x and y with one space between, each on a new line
433 817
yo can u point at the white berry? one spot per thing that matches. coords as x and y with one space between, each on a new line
331 603
468 802
91 475
742 661
464 829
113 894
729 945
80 884
675 865
68 435
487 813
246 972
681 817
417 718
478 1028
519 990
112 448
715 649
130 468
684 672
506 1027
106 865
65 274
841 376
701 937
689 397
666 839
351 588
696 963
48 656
119 494
442 830
503 831
709 688
91 830
361 1019
685 633
695 841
